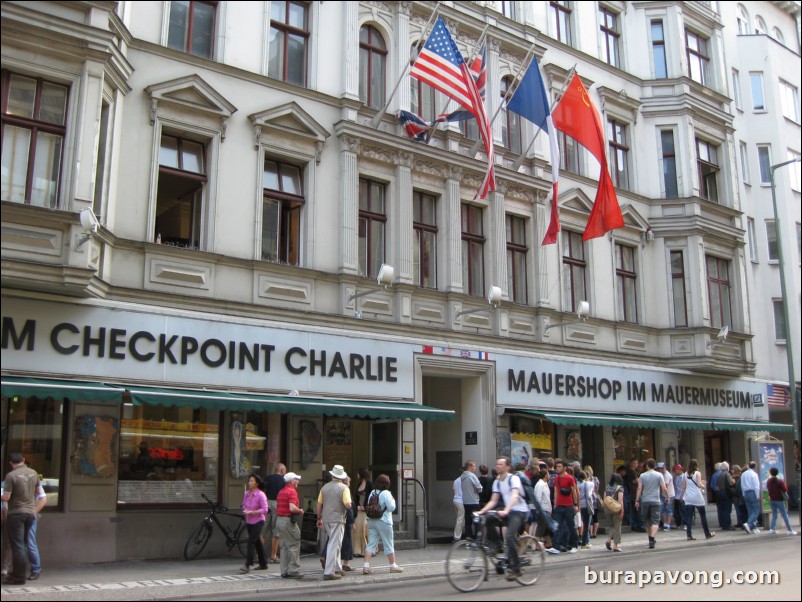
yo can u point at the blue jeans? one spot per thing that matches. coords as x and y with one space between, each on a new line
779 507
18 528
753 507
566 536
724 510
33 548
513 520
689 514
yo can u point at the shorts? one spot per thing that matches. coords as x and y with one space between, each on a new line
379 530
650 513
667 507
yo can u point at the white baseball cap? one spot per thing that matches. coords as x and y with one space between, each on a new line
291 476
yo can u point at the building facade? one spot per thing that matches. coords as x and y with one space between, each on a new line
221 312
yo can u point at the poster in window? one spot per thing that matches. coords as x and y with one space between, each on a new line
338 443
95 452
573 446
310 440
240 465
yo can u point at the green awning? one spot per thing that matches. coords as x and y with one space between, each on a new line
75 390
666 422
225 400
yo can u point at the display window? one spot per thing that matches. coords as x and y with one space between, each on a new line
531 438
632 443
168 455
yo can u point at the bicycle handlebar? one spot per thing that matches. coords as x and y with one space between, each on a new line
216 507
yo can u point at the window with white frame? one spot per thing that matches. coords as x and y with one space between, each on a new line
626 280
510 122
760 25
789 99
34 124
669 158
283 202
570 154
742 18
696 48
719 291
560 16
423 99
473 243
289 41
736 89
659 49
771 240
510 10
101 159
794 170
575 268
764 163
708 169
744 152
424 222
517 251
778 35
181 192
678 292
372 227
750 235
779 320
619 153
610 34
372 67
191 27
758 98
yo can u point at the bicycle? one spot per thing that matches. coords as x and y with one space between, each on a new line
200 537
467 561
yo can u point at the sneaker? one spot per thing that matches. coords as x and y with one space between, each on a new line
332 577
666 528
396 569
755 530
585 546
746 528
572 550
711 536
791 533
512 575
552 551
34 576
773 531
367 570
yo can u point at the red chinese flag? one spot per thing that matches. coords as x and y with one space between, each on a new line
576 116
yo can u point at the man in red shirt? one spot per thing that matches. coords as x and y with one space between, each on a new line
289 512
566 505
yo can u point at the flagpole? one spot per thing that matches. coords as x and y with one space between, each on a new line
475 48
567 81
412 56
508 94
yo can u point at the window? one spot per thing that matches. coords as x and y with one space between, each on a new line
659 50
372 60
469 129
516 259
698 58
289 41
744 162
510 10
608 24
510 122
718 291
669 164
771 240
678 289
736 89
282 204
778 35
569 154
423 99
574 270
794 171
168 455
758 102
707 162
742 18
100 163
760 25
35 428
182 180
750 234
764 163
191 27
33 117
619 154
473 242
789 99
372 224
626 278
560 17
779 321
424 222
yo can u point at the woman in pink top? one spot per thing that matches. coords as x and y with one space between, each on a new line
254 507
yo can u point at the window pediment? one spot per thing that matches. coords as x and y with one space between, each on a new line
190 93
633 219
576 201
620 103
291 119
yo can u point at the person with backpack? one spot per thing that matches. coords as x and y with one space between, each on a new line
537 513
379 509
613 505
778 492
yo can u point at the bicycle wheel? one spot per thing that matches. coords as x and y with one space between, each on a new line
241 536
533 558
197 541
466 566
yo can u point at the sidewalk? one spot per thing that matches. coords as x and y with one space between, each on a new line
173 579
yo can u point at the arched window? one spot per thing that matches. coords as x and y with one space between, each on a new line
372 67
423 99
777 35
760 25
743 19
510 122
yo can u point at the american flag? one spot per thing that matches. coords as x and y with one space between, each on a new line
415 126
777 395
479 73
441 65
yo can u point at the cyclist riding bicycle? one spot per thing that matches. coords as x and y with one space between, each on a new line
507 487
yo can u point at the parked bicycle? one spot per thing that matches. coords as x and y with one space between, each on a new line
238 536
467 561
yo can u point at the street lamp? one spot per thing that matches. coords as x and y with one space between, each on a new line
789 348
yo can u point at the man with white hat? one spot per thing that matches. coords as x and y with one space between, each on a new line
332 503
289 512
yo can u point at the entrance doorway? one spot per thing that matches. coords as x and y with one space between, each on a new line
717 449
385 455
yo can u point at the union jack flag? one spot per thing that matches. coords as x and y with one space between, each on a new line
441 65
415 126
777 395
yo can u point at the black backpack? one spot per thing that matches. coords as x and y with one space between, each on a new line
373 508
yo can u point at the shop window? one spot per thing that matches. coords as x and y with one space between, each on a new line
192 27
250 433
35 428
281 212
531 437
168 455
629 443
289 41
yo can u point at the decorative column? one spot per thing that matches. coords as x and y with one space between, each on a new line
542 220
349 204
453 231
350 35
498 240
402 99
493 93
